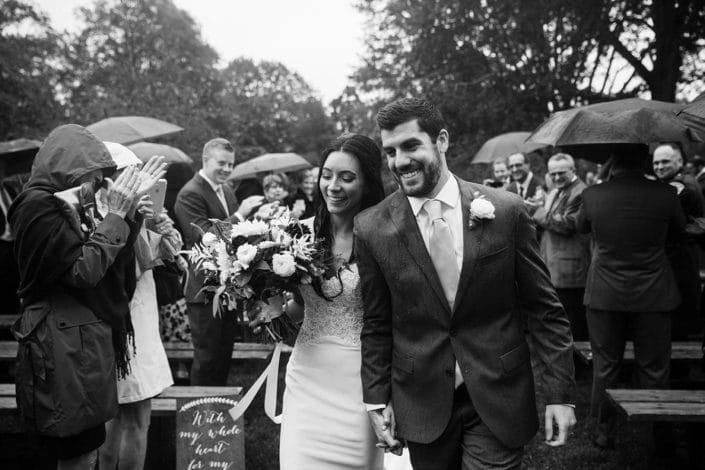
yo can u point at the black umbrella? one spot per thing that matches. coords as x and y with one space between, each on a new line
18 155
631 121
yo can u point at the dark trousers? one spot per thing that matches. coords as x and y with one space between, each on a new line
572 300
467 443
651 333
212 339
9 279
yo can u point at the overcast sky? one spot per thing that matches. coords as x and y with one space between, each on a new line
319 39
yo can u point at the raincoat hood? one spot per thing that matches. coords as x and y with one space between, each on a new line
68 153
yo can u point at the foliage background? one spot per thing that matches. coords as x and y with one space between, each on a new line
492 66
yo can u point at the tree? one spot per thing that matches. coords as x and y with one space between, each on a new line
146 58
274 109
499 65
28 47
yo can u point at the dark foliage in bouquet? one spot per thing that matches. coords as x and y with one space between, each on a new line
255 261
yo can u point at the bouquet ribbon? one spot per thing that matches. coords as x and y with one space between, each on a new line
271 375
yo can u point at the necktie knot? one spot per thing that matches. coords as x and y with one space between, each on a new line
434 209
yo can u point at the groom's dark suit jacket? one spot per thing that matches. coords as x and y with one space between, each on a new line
411 338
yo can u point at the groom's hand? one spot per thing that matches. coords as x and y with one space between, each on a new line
385 429
563 416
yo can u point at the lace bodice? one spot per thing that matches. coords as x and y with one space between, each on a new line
341 316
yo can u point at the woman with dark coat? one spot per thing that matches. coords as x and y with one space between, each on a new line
76 280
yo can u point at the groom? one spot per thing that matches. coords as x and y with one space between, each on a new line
453 288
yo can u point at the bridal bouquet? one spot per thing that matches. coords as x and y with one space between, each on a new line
257 260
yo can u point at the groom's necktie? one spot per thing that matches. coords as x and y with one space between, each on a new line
440 247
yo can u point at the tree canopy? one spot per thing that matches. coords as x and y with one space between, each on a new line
495 66
28 48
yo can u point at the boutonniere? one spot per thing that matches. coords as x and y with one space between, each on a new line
480 209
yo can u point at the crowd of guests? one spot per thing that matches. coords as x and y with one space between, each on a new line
101 284
624 253
622 250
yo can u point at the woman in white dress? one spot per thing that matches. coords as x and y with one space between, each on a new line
324 420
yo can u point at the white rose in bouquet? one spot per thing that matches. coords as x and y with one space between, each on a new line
245 254
209 239
283 264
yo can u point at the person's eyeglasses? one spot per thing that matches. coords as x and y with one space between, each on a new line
516 165
556 174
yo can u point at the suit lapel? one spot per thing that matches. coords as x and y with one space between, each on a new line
212 199
408 231
230 199
472 239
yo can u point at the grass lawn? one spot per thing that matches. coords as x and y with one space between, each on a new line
631 450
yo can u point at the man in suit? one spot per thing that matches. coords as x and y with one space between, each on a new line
449 270
566 252
201 200
524 183
630 284
668 167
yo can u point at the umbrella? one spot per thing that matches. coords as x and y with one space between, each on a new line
503 145
694 115
145 151
269 162
129 129
631 121
18 155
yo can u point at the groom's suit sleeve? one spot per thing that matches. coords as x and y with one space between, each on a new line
376 335
547 322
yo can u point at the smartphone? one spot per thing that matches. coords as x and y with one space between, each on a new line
157 194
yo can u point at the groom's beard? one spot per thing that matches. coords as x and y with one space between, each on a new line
431 175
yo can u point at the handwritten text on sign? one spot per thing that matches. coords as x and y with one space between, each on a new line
207 437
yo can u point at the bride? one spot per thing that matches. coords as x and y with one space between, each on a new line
324 421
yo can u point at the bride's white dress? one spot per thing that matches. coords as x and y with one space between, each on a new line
324 421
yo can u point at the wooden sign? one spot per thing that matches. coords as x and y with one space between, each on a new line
206 435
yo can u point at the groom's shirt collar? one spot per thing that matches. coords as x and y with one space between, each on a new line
449 195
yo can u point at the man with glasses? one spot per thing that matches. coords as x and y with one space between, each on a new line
524 183
566 252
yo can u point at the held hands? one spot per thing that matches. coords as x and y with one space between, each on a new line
385 428
562 416
262 313
121 193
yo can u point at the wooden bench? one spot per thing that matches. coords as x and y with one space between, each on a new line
162 405
6 321
660 405
175 352
680 351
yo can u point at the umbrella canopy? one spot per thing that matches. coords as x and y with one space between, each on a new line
129 129
145 151
18 155
694 115
503 145
631 121
269 162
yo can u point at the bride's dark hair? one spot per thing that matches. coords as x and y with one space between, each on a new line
369 156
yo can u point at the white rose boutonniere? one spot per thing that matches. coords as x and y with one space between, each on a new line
480 208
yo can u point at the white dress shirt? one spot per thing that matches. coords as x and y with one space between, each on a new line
218 189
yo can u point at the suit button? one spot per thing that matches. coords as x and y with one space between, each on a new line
453 332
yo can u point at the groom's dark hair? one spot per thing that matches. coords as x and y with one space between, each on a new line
403 110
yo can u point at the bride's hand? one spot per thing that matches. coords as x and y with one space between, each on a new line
261 314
